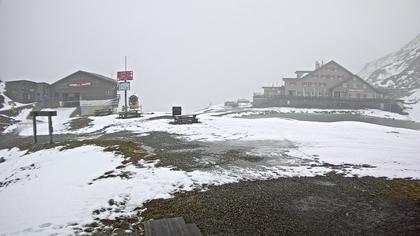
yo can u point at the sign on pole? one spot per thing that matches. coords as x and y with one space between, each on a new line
124 86
125 75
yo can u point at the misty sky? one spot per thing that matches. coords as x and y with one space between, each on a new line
192 52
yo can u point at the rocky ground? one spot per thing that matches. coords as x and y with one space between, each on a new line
322 205
330 205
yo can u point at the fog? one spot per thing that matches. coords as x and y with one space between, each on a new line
193 53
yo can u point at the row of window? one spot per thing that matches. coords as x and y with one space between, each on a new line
327 94
356 86
328 76
316 84
331 68
312 94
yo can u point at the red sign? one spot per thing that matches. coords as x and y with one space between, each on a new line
125 75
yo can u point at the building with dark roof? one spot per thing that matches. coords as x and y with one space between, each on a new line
330 85
88 91
25 91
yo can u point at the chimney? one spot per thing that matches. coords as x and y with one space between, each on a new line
317 65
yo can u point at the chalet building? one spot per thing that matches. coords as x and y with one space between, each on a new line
330 85
85 90
25 91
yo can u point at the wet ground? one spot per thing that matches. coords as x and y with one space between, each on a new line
326 117
329 205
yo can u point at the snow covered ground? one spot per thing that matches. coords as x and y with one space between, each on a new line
7 100
24 127
393 151
414 105
48 191
361 112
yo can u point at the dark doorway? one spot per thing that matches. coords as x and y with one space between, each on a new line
71 99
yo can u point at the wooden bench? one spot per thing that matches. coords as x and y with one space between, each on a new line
129 114
185 119
103 112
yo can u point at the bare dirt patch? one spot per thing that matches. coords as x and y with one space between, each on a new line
298 206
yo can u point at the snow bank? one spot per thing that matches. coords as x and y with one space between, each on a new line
362 112
7 100
414 105
24 127
48 190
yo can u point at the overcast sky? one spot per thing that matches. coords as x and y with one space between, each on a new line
192 52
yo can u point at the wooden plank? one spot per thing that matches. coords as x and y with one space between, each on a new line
193 230
43 113
170 226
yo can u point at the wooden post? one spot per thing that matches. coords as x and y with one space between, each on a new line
50 128
34 124
34 114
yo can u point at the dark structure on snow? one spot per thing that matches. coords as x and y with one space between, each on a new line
328 86
88 91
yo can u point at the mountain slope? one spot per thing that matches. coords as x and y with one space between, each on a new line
400 69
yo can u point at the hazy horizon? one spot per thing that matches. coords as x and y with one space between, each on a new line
193 53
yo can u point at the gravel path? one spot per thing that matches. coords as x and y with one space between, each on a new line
331 205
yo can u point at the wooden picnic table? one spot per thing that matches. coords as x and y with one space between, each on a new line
185 119
129 114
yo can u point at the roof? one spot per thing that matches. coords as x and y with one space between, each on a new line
94 75
272 86
342 67
24 80
360 79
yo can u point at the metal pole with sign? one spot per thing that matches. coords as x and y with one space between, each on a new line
125 91
125 85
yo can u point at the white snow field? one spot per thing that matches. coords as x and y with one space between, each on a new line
24 127
7 100
414 107
49 190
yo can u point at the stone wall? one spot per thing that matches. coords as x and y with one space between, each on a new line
327 103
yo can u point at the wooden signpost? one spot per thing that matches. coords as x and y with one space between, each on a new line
34 114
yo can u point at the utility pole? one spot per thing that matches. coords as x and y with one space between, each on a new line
125 91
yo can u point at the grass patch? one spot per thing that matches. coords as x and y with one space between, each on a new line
404 189
173 207
132 152
76 112
79 123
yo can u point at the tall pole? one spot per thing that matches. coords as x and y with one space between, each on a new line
50 129
34 124
125 91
